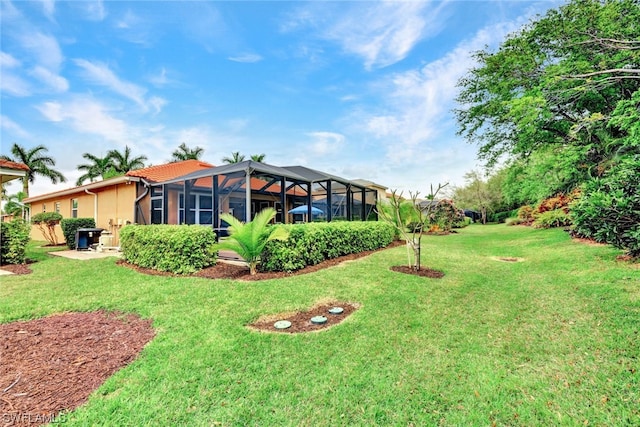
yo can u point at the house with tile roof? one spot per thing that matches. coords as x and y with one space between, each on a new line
196 192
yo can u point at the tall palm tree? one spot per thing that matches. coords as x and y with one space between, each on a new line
123 162
185 153
258 157
39 164
236 157
98 168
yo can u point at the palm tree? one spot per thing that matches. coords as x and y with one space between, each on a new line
99 167
14 205
248 240
236 157
123 162
185 153
258 157
39 164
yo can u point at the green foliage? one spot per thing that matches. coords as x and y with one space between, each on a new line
70 226
38 162
14 236
249 240
554 218
445 215
514 221
46 223
525 213
178 249
503 216
401 215
310 244
609 208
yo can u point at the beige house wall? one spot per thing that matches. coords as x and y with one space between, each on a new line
115 205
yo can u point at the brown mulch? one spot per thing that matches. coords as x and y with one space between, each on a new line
225 270
423 272
16 268
52 364
301 321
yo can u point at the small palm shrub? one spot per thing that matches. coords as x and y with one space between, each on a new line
249 240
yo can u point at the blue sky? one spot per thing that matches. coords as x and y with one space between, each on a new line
359 89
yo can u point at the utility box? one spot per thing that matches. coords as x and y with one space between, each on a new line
87 238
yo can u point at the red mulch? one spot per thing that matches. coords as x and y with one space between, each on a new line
301 321
224 270
423 272
16 268
52 364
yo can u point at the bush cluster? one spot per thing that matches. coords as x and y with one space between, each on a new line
179 249
444 216
14 236
609 209
70 226
310 244
554 218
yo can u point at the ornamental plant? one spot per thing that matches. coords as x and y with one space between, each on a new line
249 240
46 223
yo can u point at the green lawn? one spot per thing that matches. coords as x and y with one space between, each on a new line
552 340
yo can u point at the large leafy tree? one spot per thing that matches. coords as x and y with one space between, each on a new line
478 193
99 167
39 164
124 162
183 152
564 87
235 157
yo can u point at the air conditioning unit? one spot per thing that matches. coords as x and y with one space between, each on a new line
106 242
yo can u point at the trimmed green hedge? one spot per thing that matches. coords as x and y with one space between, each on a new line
310 244
180 249
14 237
70 226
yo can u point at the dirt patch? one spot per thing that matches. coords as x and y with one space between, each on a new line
52 364
16 268
223 270
301 321
507 259
423 272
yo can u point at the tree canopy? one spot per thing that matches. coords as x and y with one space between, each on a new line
123 162
563 88
183 152
39 164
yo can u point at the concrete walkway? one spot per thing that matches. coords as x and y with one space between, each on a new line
85 255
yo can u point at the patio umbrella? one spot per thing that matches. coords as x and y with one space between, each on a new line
304 209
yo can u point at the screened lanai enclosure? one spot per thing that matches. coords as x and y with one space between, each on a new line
246 188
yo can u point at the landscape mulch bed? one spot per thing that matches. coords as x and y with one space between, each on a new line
225 270
52 364
301 321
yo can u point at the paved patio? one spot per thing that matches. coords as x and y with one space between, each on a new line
85 255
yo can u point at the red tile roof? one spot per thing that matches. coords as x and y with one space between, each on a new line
169 171
13 165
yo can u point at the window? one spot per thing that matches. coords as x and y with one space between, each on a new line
157 204
200 209
56 207
74 208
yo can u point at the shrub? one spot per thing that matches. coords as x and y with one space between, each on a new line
503 216
514 221
180 249
14 237
46 222
550 219
525 213
70 226
310 244
609 209
445 215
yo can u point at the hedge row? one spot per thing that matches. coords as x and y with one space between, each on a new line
70 226
14 237
177 249
310 244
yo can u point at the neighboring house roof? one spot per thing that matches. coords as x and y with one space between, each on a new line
368 184
169 171
152 173
12 170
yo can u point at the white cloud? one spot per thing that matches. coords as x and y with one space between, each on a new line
8 61
94 10
49 8
87 116
325 143
44 48
246 58
14 85
55 82
12 127
381 33
102 75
